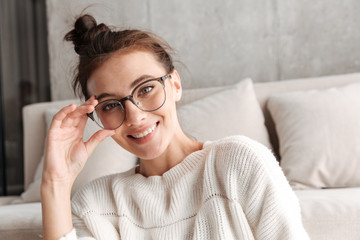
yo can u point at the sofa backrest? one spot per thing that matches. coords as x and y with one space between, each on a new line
265 90
35 126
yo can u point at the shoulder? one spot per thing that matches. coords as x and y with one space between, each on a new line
96 193
246 165
242 158
236 140
238 148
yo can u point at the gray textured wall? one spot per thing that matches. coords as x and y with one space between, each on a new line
221 42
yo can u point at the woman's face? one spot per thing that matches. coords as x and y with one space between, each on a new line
145 134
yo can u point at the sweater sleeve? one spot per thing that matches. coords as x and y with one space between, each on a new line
72 236
94 210
81 230
270 205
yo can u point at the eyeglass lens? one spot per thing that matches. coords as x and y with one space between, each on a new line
148 96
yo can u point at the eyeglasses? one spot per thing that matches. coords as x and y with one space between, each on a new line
148 96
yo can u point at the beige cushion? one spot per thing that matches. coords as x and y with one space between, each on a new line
331 213
319 135
229 111
20 221
5 200
107 158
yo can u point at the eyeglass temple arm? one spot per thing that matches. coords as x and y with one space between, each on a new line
165 77
91 116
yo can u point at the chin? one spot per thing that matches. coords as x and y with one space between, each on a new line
148 154
142 151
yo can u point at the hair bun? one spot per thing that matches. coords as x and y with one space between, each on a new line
84 32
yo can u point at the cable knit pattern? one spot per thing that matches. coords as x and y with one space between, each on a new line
231 189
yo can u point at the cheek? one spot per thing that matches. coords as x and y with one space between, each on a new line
171 99
169 113
120 137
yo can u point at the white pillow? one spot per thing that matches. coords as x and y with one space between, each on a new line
231 111
319 135
106 159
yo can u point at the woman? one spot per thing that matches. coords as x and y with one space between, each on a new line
232 188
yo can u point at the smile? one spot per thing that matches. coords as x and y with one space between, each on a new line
145 133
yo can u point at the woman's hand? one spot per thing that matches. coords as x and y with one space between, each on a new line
66 152
65 156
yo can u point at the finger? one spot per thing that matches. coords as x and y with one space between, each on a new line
92 102
97 138
78 116
84 108
73 118
61 115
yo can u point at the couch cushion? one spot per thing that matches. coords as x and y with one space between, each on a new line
223 112
319 133
264 90
5 200
21 221
331 213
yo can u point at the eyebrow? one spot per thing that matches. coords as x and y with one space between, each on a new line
132 85
140 79
104 95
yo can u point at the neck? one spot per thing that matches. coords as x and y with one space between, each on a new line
180 147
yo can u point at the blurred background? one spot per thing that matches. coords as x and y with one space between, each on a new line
218 42
24 78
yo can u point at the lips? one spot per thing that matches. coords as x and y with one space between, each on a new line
144 133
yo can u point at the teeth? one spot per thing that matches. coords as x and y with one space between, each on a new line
145 133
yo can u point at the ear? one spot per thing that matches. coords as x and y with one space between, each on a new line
177 89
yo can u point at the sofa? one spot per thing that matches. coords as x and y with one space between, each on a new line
311 125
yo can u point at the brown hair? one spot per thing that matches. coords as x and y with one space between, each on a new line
95 43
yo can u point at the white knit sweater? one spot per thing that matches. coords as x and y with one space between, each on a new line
231 189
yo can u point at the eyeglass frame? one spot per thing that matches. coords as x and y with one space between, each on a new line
130 97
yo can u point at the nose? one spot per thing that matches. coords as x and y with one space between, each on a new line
134 115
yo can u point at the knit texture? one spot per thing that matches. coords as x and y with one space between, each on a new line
231 189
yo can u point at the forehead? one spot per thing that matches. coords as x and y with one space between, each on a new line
118 72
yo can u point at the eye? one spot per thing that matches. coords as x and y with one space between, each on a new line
145 90
109 106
